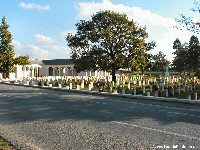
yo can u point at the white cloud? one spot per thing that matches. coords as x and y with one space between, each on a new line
34 6
43 39
44 47
160 28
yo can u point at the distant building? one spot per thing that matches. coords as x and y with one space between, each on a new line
53 67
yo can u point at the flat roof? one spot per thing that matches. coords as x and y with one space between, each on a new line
58 62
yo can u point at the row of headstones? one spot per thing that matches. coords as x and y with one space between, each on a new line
117 83
150 81
90 86
61 83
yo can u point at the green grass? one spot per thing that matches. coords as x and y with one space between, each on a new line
184 95
5 145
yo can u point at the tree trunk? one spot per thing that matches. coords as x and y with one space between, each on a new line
113 74
142 76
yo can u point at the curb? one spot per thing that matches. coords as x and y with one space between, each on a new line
165 99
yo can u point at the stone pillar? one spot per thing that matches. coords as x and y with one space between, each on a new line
66 71
38 72
53 71
72 71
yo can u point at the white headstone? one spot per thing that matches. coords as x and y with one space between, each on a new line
82 85
129 85
166 93
70 85
195 96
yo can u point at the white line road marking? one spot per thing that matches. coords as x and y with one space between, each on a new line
183 114
157 130
159 106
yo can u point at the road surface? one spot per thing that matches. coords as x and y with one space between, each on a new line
34 118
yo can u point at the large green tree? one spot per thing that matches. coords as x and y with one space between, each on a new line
180 62
187 56
6 49
108 41
193 54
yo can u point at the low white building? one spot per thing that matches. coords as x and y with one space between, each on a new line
54 67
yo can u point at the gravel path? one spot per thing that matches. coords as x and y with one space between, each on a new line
68 134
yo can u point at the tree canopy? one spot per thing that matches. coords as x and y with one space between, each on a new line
159 62
22 60
187 56
109 41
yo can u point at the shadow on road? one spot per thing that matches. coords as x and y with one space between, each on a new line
30 104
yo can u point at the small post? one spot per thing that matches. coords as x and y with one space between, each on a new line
195 96
135 90
129 85
166 93
150 88
156 93
143 89
70 85
172 91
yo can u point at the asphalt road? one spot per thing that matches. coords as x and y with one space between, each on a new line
34 118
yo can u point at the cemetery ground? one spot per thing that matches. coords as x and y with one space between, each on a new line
34 118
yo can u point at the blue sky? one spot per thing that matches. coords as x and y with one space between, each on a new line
39 26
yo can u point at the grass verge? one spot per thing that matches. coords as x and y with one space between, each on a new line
5 145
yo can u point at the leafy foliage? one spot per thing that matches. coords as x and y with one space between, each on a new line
109 41
22 60
180 60
159 62
6 49
194 54
187 56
